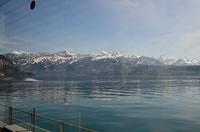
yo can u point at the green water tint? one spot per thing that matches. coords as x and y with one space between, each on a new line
147 104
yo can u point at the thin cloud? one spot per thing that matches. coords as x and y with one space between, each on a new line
173 23
8 44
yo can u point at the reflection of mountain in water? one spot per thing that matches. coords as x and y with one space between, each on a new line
68 91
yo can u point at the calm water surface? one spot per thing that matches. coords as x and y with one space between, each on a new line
150 104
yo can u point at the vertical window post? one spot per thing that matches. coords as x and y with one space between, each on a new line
32 120
10 116
62 126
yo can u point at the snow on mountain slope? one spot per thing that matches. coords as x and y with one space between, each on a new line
53 59
166 60
112 55
181 61
66 54
19 52
143 60
185 61
106 55
66 57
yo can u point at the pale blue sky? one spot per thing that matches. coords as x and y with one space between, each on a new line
140 27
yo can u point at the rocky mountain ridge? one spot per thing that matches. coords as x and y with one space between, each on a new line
8 70
69 63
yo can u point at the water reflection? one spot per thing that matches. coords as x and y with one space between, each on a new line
67 91
143 104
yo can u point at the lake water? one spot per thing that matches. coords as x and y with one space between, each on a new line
140 104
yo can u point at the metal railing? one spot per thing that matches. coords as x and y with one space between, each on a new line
26 123
32 120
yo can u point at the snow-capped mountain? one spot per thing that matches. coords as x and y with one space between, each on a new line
19 53
178 62
166 60
22 58
103 62
110 55
124 58
55 58
186 61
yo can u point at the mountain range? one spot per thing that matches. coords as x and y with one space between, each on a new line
103 62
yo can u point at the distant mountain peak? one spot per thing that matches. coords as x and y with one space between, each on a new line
106 55
65 53
180 61
186 61
18 52
111 55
